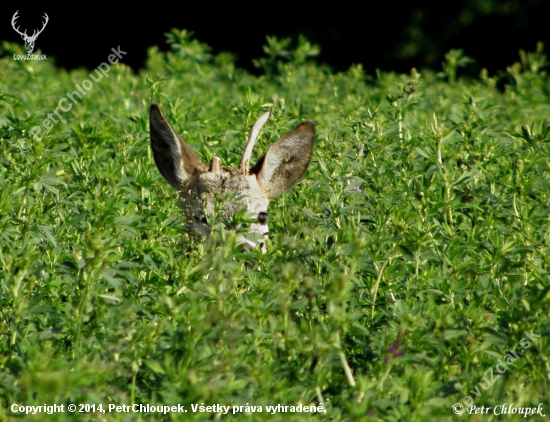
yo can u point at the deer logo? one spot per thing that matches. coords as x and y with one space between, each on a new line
199 185
29 41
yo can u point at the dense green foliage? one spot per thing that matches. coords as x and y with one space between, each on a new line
407 262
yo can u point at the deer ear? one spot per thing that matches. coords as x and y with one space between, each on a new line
286 161
175 159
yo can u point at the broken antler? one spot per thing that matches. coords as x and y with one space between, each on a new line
254 131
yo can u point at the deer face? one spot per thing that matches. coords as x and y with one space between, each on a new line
207 191
223 194
29 44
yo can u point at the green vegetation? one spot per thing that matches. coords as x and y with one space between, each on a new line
407 262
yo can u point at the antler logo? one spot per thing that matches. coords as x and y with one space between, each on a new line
29 41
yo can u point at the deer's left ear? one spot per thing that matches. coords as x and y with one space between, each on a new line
175 159
286 161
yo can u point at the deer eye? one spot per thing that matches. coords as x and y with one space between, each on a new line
201 218
262 217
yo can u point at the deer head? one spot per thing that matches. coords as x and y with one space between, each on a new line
200 185
29 41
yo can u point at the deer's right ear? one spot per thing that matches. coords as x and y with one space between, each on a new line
286 161
175 159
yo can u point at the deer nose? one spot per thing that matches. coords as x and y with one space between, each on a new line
262 217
